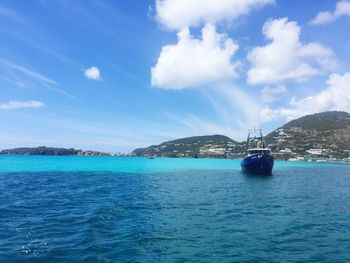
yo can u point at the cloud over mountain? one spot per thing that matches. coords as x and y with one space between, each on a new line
286 57
335 97
270 94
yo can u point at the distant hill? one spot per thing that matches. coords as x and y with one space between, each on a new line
41 150
325 134
199 146
330 120
329 131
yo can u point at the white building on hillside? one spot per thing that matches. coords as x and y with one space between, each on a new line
315 151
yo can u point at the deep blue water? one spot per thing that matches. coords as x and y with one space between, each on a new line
81 209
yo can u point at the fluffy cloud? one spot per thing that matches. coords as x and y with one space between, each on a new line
92 73
286 58
335 97
270 94
195 61
179 14
14 104
342 9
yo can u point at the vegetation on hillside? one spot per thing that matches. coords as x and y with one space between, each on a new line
41 150
330 120
326 131
198 146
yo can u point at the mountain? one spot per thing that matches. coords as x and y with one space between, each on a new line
328 133
330 120
218 146
41 150
325 134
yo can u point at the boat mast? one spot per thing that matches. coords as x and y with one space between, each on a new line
247 145
260 130
260 120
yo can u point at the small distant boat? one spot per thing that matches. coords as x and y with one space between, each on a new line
259 159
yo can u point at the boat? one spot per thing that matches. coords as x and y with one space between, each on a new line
259 159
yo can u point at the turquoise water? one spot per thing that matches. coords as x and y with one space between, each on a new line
22 163
107 209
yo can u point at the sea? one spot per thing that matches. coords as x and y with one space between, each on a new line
120 209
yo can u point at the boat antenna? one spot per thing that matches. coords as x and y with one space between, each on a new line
260 118
248 138
260 130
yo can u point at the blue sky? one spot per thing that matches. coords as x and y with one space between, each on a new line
116 75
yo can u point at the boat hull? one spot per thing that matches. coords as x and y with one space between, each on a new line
258 164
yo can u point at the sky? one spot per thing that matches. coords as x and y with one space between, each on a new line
118 75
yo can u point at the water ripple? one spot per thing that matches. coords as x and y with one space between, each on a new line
297 215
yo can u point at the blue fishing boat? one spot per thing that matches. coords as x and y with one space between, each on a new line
259 159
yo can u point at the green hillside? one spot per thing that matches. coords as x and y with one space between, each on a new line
41 150
327 131
198 146
330 120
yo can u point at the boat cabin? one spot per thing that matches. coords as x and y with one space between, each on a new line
259 151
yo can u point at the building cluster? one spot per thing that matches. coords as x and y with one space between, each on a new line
299 144
93 153
227 150
97 153
194 149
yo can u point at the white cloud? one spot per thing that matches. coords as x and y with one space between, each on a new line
335 97
239 101
31 73
179 14
192 124
236 110
195 61
285 57
270 94
342 8
92 73
14 104
34 75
